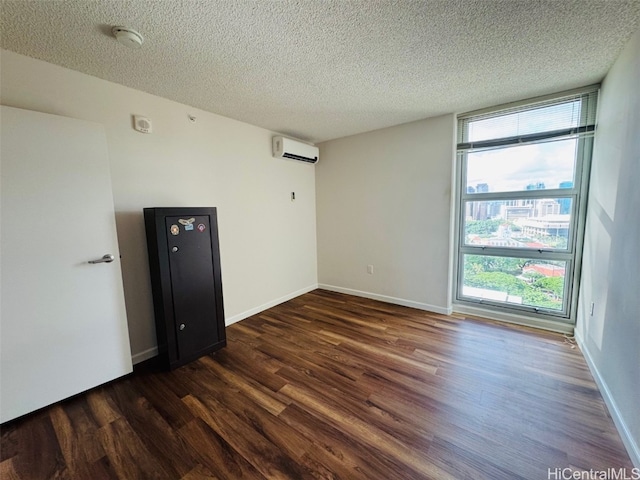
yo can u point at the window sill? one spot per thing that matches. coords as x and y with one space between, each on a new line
538 321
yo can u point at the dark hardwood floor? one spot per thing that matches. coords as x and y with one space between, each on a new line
332 386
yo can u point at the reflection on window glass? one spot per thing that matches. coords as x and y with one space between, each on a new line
517 281
533 223
524 167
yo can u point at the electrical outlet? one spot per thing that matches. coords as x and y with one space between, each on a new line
370 269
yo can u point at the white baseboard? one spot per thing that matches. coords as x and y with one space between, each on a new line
144 355
387 299
265 306
152 352
633 449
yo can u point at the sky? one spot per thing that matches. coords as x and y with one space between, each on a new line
513 168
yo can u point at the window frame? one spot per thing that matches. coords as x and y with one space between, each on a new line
578 193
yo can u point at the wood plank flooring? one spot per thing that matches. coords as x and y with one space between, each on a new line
333 386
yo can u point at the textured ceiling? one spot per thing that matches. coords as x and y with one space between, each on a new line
323 69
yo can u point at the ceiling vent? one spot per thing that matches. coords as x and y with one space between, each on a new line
287 148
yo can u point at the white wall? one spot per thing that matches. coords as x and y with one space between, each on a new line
384 199
610 339
267 242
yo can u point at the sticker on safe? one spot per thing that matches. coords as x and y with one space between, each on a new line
201 227
187 222
175 229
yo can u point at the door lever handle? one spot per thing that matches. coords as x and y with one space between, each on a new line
107 258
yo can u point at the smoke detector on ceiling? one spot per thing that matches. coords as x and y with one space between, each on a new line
127 37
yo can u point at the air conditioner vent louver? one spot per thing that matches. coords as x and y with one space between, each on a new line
298 157
292 149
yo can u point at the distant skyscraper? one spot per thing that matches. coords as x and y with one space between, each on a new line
477 210
565 203
536 186
494 209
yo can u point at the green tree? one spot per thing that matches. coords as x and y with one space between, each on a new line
482 227
537 298
533 276
482 263
557 242
498 281
503 274
553 285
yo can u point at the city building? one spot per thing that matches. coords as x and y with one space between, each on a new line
544 269
547 226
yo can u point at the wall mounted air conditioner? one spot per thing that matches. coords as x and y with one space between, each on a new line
287 148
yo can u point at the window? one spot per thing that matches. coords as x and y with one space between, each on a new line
523 173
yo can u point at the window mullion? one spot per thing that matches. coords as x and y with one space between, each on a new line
517 253
522 194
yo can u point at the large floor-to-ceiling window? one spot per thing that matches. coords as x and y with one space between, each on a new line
523 172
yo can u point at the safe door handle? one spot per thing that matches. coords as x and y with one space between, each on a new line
106 258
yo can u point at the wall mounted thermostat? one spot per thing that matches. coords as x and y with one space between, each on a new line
142 124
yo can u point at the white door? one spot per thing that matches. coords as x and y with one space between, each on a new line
63 325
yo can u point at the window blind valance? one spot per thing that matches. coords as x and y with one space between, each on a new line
569 116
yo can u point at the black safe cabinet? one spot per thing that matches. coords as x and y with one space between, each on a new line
184 261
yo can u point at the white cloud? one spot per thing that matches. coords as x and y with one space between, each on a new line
513 168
